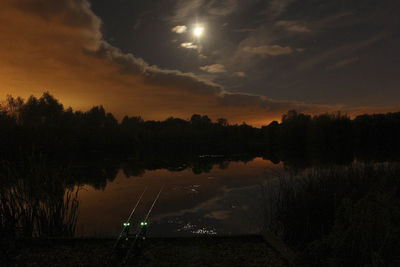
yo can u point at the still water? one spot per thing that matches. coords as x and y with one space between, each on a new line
226 200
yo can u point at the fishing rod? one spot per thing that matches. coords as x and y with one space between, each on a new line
154 202
144 226
137 203
127 223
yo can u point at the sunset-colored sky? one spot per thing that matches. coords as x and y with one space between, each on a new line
251 61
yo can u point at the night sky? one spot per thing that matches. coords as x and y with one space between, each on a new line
250 61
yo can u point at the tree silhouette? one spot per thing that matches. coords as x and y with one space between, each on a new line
42 125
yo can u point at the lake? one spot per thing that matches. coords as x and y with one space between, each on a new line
224 200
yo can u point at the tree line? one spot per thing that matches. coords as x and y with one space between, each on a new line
334 137
43 125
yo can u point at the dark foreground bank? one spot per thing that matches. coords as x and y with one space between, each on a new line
197 251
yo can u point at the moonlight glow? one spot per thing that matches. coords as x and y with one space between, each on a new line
198 31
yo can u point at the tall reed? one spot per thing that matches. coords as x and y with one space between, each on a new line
36 202
339 216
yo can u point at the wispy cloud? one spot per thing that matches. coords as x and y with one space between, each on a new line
222 7
270 50
278 7
214 68
185 9
342 63
245 30
293 26
240 74
341 51
179 29
189 45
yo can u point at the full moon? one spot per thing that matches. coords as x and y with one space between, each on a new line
198 31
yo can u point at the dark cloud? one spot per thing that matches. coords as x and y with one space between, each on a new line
74 13
129 64
78 14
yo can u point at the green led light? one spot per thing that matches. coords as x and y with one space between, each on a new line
143 223
126 224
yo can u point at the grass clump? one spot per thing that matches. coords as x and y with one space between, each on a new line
340 216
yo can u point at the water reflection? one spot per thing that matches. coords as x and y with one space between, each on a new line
220 200
209 194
